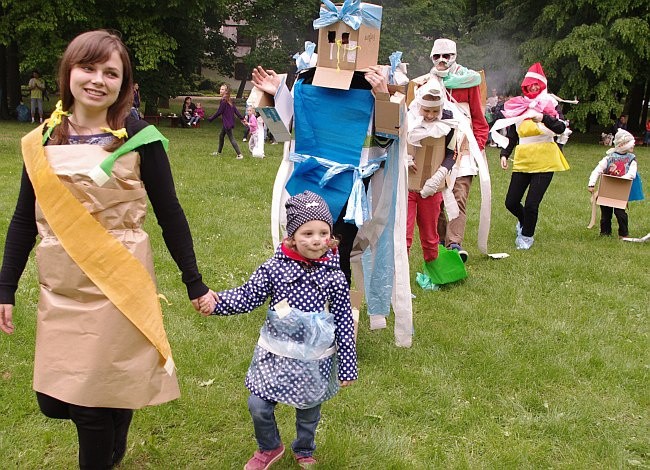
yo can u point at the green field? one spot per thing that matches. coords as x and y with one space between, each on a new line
539 360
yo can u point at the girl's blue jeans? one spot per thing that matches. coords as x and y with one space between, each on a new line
266 430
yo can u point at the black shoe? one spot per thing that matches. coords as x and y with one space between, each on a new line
122 420
462 253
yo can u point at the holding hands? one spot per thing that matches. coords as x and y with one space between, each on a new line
206 303
6 312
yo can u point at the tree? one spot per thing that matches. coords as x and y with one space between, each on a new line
593 49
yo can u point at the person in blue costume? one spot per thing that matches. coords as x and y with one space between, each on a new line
336 154
307 341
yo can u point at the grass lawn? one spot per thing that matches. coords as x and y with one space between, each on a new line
539 360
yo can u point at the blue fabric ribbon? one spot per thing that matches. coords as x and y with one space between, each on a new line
395 59
358 210
303 59
352 13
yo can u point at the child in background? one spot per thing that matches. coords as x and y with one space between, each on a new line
308 336
621 162
251 124
199 113
426 118
227 110
258 149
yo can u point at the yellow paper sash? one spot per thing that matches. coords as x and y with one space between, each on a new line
106 262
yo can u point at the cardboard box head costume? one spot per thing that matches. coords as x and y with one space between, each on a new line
348 40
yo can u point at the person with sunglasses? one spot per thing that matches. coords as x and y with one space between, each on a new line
462 88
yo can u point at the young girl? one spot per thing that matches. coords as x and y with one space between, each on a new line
227 110
308 336
199 113
426 118
101 348
621 162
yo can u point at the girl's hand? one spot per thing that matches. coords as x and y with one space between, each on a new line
266 80
206 303
590 189
504 162
6 315
345 383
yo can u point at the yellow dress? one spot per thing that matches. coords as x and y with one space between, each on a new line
536 151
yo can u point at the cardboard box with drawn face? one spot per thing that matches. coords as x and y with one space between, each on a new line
348 40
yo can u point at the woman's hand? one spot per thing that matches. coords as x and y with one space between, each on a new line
504 162
377 79
266 80
206 303
6 316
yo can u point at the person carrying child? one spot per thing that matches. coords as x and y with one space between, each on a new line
101 346
427 118
307 339
621 162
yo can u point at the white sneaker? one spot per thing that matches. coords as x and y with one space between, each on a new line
214 154
244 139
523 243
239 157
40 120
33 121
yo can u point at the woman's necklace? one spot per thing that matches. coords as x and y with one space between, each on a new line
83 130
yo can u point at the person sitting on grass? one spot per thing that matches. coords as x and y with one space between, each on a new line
309 323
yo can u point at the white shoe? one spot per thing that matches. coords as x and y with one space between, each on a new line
214 154
33 121
244 139
239 157
40 120
523 243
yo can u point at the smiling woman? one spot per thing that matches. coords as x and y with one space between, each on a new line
88 172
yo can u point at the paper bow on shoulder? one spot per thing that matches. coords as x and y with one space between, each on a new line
352 12
306 59
395 60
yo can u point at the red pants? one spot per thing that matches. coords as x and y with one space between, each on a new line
426 211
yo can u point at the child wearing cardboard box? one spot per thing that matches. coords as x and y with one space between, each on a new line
306 348
427 118
620 162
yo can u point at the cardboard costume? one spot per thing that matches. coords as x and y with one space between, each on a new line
89 351
334 153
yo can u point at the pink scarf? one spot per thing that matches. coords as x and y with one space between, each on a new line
520 104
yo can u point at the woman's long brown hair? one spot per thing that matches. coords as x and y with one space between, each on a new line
94 47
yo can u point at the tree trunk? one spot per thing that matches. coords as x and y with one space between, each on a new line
4 109
633 105
13 76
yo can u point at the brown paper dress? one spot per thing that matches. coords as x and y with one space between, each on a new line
87 352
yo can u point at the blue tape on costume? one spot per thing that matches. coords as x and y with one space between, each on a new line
379 264
330 125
